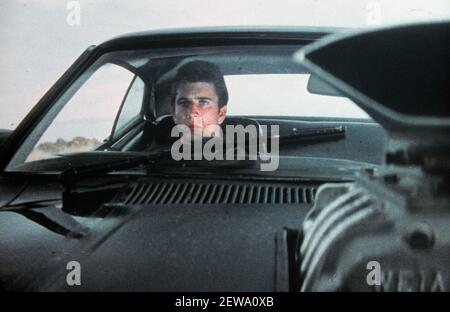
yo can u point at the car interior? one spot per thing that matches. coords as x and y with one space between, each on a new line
364 139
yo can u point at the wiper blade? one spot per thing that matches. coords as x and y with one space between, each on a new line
69 176
314 134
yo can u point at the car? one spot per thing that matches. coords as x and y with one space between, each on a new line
337 179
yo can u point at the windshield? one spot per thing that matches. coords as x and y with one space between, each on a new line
133 101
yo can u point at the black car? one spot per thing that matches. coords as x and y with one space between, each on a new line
354 123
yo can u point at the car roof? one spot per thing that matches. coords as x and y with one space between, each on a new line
221 35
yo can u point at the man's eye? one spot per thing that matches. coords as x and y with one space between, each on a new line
204 102
183 103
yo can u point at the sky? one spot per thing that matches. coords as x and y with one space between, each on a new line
40 39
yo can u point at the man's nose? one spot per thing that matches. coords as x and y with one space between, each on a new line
195 110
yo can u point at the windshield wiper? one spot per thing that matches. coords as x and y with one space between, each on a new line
69 176
314 134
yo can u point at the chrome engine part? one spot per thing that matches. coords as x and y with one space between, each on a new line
386 232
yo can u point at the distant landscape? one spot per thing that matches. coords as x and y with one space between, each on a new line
61 146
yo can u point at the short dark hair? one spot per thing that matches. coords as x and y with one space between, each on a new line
202 71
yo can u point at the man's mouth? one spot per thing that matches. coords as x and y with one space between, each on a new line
193 126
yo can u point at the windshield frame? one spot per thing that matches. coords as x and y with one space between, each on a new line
222 37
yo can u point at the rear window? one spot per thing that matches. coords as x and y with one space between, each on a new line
284 95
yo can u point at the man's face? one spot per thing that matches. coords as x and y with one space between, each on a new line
196 106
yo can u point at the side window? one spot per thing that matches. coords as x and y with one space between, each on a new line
87 118
131 107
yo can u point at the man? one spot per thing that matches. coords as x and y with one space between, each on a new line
200 98
199 108
198 127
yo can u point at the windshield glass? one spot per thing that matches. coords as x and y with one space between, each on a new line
135 100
